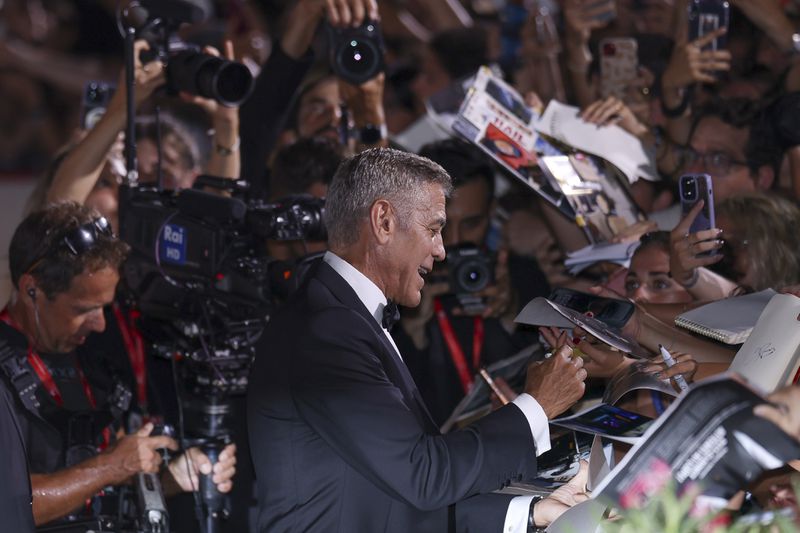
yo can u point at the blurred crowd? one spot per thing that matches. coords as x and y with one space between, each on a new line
726 104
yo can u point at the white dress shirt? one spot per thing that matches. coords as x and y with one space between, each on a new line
374 300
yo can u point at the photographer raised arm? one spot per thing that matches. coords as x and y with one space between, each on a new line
78 173
80 169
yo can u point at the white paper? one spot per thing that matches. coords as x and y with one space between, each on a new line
612 143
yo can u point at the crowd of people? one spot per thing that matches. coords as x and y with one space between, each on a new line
358 368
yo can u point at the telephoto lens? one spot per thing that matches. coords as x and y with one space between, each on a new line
194 72
356 53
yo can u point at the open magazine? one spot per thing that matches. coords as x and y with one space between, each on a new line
708 438
494 117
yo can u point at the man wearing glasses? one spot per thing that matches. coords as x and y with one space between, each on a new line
64 263
732 143
728 143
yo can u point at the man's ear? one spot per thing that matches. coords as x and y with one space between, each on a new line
382 220
765 177
28 290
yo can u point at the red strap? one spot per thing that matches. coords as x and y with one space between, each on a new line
134 345
465 374
45 377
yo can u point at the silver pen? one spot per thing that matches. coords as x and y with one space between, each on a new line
670 362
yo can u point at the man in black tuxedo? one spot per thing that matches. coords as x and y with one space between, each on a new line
340 437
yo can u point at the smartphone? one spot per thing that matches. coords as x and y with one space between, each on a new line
691 189
619 65
96 95
706 16
613 313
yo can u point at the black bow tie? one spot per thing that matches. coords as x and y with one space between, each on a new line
391 314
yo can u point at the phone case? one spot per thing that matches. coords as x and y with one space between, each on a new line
692 188
706 16
619 61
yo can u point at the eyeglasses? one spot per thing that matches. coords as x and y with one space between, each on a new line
86 235
717 163
78 240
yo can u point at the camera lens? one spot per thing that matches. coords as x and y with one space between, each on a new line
357 57
356 54
688 188
472 275
225 81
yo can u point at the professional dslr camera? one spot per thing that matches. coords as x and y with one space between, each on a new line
356 54
469 271
188 68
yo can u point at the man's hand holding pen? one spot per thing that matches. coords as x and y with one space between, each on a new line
558 381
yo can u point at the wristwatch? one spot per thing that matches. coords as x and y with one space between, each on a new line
531 522
371 134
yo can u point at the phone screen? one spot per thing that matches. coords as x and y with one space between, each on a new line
614 313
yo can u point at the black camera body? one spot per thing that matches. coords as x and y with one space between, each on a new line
195 254
471 270
356 54
189 69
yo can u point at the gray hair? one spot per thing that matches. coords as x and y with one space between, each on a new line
378 173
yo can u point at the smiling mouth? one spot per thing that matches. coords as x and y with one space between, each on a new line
422 271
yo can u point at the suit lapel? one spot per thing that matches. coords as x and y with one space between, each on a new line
395 369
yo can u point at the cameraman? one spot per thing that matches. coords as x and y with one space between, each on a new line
64 264
438 337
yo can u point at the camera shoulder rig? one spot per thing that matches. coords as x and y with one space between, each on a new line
19 375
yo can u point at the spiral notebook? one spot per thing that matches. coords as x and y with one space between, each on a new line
730 320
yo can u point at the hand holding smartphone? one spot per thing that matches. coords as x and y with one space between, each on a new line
619 65
693 189
706 17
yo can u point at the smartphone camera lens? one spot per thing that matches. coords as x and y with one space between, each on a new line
689 188
92 93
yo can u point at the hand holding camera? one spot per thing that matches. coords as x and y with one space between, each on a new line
496 299
137 453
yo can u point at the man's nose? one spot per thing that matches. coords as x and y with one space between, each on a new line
438 249
97 322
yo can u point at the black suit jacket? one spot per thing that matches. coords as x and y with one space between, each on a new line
15 489
341 440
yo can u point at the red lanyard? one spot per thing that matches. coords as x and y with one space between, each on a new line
465 374
49 384
134 345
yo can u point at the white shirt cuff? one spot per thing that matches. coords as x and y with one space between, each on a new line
540 428
517 515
